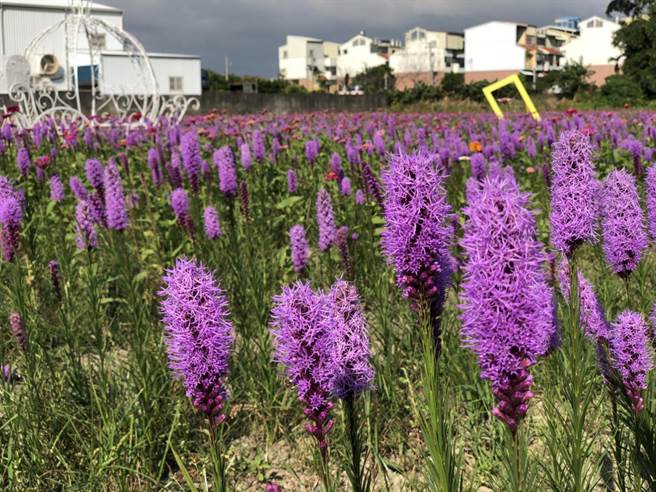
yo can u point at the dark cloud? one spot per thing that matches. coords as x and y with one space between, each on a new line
249 31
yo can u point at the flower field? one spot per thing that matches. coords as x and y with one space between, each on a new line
330 302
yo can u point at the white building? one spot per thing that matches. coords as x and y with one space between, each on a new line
492 50
594 48
426 56
22 20
308 61
496 49
362 52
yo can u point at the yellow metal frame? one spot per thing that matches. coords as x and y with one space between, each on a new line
512 79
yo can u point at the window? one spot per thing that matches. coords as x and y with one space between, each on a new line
175 84
284 54
97 41
432 44
598 23
344 52
589 24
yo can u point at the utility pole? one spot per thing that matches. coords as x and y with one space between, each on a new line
227 68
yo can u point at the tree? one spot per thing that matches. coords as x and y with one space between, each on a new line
570 79
453 84
620 89
637 41
375 80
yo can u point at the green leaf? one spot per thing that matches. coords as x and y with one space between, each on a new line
184 471
288 202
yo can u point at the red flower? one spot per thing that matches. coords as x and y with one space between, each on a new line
331 176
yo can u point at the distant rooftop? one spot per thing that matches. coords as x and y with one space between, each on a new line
56 5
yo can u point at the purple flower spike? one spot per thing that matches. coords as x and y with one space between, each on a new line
199 335
300 248
11 217
292 181
417 231
650 191
23 161
18 330
191 158
86 236
117 215
508 308
55 277
624 235
593 320
56 188
325 220
94 172
574 187
349 339
303 349
245 155
180 206
631 353
225 162
78 188
211 223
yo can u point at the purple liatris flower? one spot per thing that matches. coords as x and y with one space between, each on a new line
18 330
56 188
245 155
301 345
624 235
180 206
225 162
211 223
359 197
325 220
191 158
86 236
153 159
352 372
574 190
345 186
311 150
259 145
417 231
341 241
507 306
300 248
78 188
371 184
23 161
116 213
632 355
650 191
478 166
94 172
244 199
292 181
592 317
11 217
55 277
199 335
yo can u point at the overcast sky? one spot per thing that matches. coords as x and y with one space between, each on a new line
249 31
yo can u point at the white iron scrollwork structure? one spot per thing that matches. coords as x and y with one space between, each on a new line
77 87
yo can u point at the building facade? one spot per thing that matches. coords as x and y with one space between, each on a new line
362 52
497 49
309 62
23 20
594 48
426 56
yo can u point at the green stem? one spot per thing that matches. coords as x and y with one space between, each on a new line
216 454
352 427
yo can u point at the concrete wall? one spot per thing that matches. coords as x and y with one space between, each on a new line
489 75
238 102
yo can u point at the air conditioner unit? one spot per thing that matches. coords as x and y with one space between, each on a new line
46 65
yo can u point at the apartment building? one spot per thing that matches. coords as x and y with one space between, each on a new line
426 56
